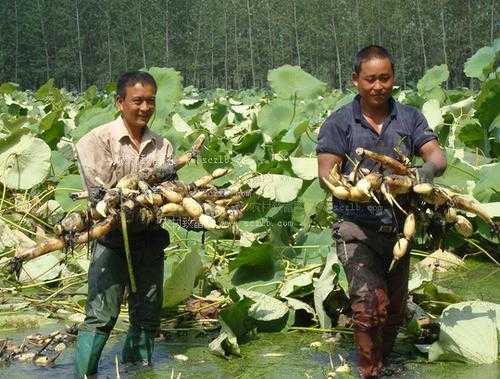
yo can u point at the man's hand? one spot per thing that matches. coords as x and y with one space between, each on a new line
426 173
435 162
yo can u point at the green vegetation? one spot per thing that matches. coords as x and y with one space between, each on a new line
274 270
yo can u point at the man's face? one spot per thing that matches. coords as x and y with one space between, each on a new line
138 105
375 81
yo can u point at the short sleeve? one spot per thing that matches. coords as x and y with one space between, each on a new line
332 136
422 133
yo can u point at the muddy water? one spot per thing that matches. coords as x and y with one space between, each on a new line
281 355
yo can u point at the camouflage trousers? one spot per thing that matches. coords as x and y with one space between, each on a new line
378 297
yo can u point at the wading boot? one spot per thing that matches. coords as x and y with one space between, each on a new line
138 346
89 345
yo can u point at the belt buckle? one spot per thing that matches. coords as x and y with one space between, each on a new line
386 229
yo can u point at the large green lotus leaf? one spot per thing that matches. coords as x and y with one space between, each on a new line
234 318
300 305
60 164
90 118
275 117
487 104
169 93
68 184
305 168
311 247
256 256
290 81
264 308
46 267
311 197
487 189
24 164
326 283
282 188
180 125
298 283
471 134
481 63
179 286
432 113
468 332
433 78
191 172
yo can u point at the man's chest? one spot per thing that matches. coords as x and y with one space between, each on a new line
393 139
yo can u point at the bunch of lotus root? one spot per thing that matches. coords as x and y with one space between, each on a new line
365 186
146 197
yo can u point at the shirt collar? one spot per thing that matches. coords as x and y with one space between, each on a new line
358 115
120 133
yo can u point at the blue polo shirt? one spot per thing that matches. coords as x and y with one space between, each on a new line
346 129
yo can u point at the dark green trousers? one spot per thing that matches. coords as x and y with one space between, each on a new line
107 278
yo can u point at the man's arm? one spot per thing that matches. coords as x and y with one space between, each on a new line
325 164
435 161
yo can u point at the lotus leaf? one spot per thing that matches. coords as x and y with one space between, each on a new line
468 332
24 164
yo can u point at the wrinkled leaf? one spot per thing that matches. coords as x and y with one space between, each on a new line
480 64
468 332
275 117
68 184
433 78
91 118
432 113
169 82
289 81
24 164
281 188
179 285
264 308
305 168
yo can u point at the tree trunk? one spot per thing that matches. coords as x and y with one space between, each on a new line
443 34
80 57
166 57
225 46
45 45
142 37
402 53
16 54
237 69
335 40
108 32
212 56
358 45
270 34
471 43
197 48
297 46
421 35
124 44
251 44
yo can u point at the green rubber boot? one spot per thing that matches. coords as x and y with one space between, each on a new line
89 345
138 347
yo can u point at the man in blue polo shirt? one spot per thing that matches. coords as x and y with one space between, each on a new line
366 233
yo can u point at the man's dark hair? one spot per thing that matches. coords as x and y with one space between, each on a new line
131 78
370 52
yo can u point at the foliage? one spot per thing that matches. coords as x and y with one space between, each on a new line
277 265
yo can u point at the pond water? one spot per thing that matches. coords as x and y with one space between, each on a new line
277 355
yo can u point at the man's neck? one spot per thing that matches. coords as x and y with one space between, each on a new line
374 112
135 134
